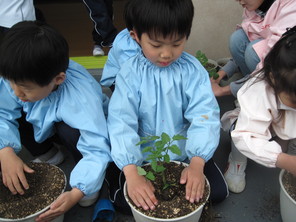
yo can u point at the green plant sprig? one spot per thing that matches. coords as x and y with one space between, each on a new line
159 154
202 58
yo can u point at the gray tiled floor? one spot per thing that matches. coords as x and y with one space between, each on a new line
258 203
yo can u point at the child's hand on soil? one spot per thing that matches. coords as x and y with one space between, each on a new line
140 190
61 205
13 169
194 179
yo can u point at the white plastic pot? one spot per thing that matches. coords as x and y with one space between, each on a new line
222 61
140 217
31 218
214 63
287 204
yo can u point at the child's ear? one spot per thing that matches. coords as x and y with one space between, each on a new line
134 35
60 78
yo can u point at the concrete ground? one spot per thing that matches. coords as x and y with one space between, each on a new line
258 203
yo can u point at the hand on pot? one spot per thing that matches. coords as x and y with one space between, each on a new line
13 169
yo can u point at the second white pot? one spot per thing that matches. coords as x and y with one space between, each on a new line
287 204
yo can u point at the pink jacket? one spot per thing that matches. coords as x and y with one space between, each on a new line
281 15
259 118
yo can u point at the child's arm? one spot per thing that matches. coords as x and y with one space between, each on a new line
252 135
81 107
123 130
12 169
61 205
12 166
287 162
202 112
140 190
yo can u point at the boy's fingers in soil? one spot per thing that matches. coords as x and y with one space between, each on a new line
8 183
146 202
23 180
16 185
28 169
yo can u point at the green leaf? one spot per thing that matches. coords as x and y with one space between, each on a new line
154 165
141 171
166 158
165 138
179 137
159 144
160 169
202 58
147 149
142 142
152 138
150 176
175 149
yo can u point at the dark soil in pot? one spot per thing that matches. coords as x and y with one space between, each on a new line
210 66
289 183
46 184
172 202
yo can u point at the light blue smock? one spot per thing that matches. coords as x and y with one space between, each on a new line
123 48
149 100
78 101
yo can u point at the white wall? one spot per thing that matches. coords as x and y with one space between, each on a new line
213 23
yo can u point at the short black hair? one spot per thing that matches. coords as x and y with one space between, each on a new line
154 17
33 51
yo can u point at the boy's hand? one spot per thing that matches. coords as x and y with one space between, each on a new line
140 190
194 178
13 169
61 205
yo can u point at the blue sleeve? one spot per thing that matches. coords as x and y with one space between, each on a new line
123 48
10 111
123 120
202 112
81 108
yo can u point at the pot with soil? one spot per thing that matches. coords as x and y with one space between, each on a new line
209 64
46 184
172 204
165 175
287 196
222 61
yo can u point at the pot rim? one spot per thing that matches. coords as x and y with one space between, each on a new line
283 188
163 219
42 210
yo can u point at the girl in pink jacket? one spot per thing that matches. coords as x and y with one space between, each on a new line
264 125
264 21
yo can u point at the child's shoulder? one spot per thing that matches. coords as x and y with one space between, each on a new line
124 40
78 75
257 89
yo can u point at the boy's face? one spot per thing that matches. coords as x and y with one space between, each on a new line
250 5
28 91
161 51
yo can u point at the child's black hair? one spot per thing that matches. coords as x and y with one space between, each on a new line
154 17
279 68
33 51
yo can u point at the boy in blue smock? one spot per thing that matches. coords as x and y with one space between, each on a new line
40 85
163 89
